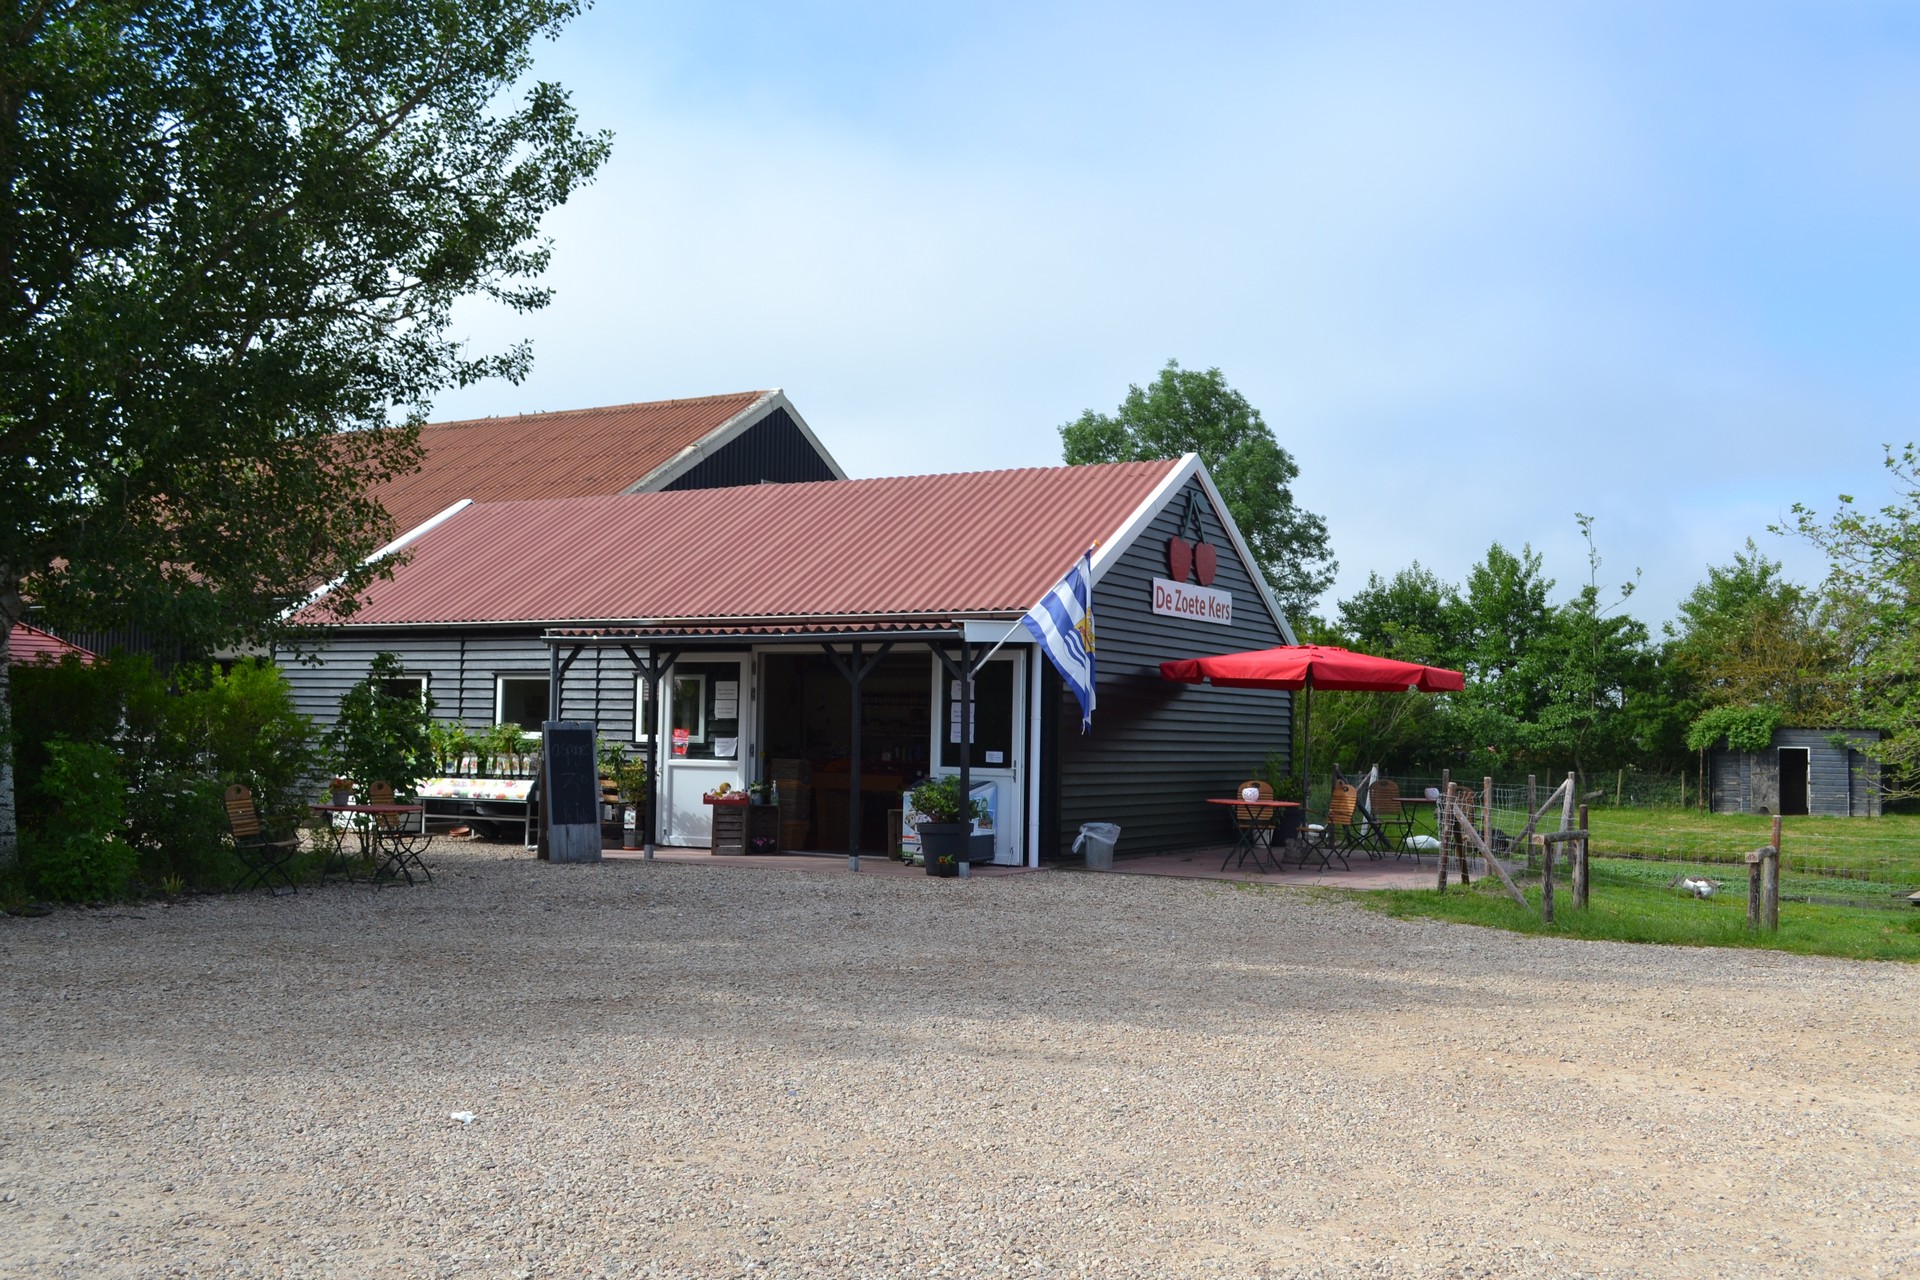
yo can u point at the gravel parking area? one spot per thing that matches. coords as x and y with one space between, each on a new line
728 1071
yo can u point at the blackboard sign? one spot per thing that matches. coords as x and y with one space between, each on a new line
572 792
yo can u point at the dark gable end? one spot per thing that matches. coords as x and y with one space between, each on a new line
1158 750
772 451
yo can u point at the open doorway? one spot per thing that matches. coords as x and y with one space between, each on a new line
1795 765
808 735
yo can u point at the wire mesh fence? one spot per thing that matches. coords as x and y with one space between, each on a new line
1851 861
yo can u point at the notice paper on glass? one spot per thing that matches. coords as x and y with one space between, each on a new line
953 721
725 748
726 699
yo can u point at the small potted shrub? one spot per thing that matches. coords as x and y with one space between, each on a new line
946 823
341 789
630 782
1287 785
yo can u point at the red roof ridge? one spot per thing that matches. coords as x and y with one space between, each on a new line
748 396
788 487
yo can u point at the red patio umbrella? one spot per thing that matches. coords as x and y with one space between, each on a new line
1310 667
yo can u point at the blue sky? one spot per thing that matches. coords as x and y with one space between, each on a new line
1480 267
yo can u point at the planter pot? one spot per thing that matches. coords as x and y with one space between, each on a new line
342 796
1291 821
944 844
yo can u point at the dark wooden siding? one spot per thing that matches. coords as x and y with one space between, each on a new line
461 669
773 449
1841 780
1157 750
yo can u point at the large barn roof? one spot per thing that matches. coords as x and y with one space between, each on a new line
973 543
569 454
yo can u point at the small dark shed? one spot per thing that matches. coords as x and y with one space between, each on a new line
1802 771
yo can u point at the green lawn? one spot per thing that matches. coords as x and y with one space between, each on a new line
1851 857
1631 903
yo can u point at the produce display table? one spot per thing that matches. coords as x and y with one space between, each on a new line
740 827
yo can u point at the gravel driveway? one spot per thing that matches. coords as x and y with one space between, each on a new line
722 1071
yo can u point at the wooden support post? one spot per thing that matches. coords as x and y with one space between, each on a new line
1533 802
1469 836
1683 791
1619 786
1770 883
1546 882
1441 825
1486 815
1754 860
1582 850
1566 805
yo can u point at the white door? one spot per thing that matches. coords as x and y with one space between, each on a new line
1000 739
707 732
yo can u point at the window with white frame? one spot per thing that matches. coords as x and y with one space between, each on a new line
520 700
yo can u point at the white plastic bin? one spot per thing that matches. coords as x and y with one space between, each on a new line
1098 839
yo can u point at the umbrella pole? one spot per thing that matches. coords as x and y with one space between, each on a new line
1306 742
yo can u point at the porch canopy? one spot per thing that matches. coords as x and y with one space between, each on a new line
1310 667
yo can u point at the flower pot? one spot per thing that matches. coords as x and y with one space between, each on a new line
944 844
1291 820
342 795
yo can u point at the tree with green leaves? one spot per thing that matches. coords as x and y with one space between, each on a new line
1870 604
1748 638
1185 411
233 234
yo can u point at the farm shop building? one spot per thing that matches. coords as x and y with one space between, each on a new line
756 608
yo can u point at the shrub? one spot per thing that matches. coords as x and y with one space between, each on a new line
383 736
81 854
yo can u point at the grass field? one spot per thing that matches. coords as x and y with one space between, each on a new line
1629 902
1863 858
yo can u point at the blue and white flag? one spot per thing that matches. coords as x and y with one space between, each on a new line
1063 624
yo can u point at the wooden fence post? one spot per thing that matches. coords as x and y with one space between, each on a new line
1770 883
1754 860
1486 814
1546 882
1533 803
1582 850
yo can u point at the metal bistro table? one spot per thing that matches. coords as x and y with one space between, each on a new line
387 847
1254 824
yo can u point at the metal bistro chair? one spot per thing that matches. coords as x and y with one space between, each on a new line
264 858
403 847
1333 836
1393 820
1253 825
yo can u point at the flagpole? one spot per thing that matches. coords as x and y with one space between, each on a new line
982 659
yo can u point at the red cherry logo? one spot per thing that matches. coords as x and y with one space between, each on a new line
1205 561
1179 557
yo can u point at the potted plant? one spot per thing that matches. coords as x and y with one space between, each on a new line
342 790
1287 785
630 784
945 823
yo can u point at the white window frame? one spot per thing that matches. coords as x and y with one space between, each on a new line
500 696
700 703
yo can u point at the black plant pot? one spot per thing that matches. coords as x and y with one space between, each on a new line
944 844
1291 820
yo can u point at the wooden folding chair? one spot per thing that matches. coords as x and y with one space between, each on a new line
1334 835
1394 820
403 847
264 858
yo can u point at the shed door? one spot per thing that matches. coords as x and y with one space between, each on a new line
1794 765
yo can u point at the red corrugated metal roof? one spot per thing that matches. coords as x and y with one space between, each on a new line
571 454
970 543
29 644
